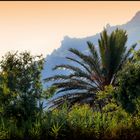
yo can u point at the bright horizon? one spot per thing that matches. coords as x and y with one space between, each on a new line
41 26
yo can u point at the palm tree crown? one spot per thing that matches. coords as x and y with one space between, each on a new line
97 69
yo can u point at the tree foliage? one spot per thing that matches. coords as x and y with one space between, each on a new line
20 84
93 71
128 85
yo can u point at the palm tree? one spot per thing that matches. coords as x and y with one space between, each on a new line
95 71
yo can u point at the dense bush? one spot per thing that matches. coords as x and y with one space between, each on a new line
81 121
128 89
20 85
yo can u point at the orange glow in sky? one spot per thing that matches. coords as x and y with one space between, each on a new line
41 26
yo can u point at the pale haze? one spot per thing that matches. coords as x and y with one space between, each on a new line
41 26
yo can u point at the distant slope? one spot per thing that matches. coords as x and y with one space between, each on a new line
58 55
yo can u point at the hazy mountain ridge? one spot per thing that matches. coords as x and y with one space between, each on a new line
58 56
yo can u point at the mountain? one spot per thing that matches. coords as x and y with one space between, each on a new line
58 55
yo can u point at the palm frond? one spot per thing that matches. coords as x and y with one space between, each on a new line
95 70
58 77
83 65
123 61
87 59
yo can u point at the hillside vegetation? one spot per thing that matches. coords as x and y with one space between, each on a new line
100 98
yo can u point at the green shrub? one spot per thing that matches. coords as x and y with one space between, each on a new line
80 119
54 123
128 89
34 129
4 134
15 132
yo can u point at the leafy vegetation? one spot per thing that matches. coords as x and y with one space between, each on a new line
113 114
20 85
95 71
128 91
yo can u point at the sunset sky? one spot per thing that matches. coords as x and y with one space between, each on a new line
41 26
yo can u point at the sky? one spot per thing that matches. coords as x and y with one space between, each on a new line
39 27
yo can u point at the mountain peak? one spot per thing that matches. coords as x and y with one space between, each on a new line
136 18
137 15
66 37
